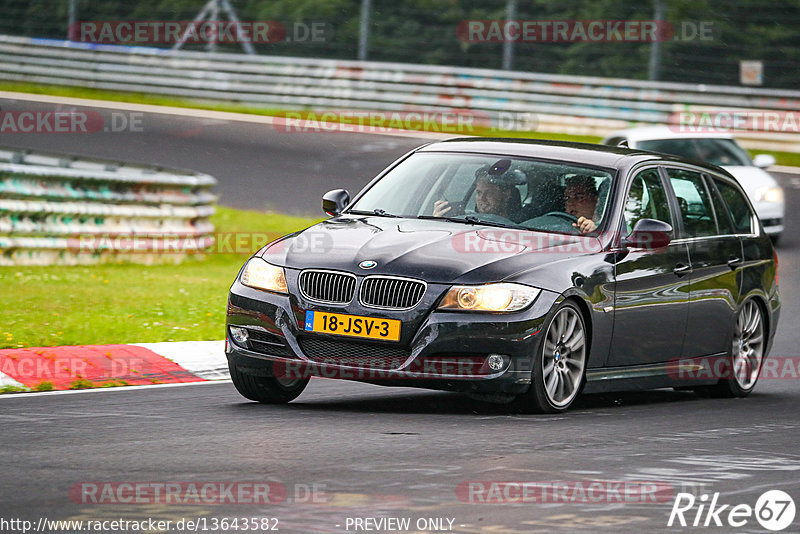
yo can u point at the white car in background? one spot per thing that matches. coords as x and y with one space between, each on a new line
719 149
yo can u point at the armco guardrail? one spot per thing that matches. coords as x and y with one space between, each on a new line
571 104
60 210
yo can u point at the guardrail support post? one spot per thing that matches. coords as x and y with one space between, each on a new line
363 33
508 45
72 29
655 46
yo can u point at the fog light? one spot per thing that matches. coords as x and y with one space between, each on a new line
496 361
239 335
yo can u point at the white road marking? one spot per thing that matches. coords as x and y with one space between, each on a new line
6 380
205 359
37 394
192 112
787 170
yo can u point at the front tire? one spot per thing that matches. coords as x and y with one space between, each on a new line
266 389
746 354
559 366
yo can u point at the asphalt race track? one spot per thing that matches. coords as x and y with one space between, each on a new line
349 451
258 166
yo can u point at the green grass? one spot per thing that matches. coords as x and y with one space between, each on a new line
13 389
44 386
790 159
131 303
132 97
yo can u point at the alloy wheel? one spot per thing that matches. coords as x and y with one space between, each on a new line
564 357
748 345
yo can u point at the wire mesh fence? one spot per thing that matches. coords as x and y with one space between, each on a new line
704 42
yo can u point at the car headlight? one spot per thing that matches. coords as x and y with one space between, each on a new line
262 275
501 297
769 194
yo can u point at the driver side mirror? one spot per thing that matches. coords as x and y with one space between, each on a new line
648 234
334 201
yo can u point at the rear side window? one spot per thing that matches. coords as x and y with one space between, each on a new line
694 203
647 199
737 207
720 209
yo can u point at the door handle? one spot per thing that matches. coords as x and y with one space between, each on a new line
682 269
734 262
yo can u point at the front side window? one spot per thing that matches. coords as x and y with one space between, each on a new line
694 203
646 199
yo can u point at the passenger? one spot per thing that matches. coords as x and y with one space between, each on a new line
497 195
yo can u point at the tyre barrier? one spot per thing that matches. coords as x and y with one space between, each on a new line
68 211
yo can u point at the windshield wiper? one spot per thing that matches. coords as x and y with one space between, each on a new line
379 212
471 219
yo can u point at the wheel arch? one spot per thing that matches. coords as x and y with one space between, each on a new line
586 313
763 307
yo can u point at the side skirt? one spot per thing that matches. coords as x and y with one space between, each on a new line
680 373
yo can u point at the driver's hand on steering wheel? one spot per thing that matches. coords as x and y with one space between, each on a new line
440 207
585 225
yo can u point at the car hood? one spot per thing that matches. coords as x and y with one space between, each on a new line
751 178
433 250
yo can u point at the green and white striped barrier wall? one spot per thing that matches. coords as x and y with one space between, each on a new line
59 210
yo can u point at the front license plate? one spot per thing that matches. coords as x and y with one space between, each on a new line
352 325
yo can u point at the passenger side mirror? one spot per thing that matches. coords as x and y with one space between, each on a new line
763 161
334 201
648 234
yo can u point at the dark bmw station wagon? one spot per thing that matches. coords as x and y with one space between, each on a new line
515 271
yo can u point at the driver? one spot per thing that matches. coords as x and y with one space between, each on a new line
496 195
580 200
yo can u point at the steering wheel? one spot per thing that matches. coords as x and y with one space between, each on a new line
490 217
562 215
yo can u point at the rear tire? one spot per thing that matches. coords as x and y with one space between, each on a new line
745 355
266 389
559 365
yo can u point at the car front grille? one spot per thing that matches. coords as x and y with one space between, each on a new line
353 353
328 286
393 293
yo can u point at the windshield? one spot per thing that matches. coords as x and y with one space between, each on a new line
714 151
534 195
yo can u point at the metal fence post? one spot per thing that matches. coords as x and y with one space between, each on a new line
508 45
363 33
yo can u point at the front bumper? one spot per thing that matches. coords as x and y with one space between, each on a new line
437 350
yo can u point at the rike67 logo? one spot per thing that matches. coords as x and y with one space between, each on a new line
774 510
